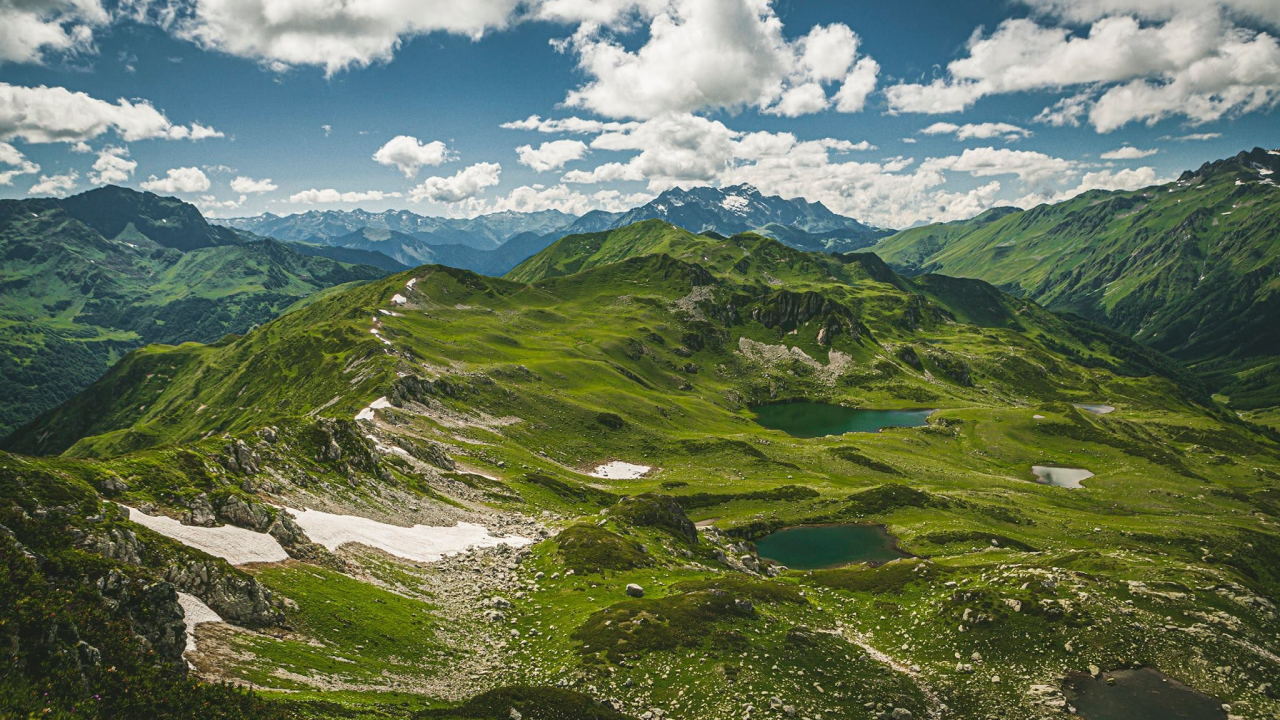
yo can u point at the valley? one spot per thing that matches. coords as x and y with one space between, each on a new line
589 424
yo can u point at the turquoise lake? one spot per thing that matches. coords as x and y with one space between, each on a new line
812 420
813 547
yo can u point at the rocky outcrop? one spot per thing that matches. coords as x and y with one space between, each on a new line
200 512
240 458
152 610
660 511
239 599
253 516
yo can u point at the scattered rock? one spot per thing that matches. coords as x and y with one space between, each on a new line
635 591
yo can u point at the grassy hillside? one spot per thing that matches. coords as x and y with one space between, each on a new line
1188 268
86 279
649 345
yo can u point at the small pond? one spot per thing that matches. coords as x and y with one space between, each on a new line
1060 476
1142 694
812 547
811 419
1095 408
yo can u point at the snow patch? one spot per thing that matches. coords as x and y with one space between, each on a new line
367 413
398 299
378 335
1095 409
618 470
195 612
420 543
236 545
392 313
409 285
735 204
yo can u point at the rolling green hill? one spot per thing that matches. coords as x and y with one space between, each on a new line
1191 268
443 400
86 279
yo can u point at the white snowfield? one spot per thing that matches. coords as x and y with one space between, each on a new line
420 543
367 413
618 470
236 545
398 299
194 612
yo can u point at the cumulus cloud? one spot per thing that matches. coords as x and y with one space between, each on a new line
329 195
55 185
54 114
178 180
1128 179
1084 11
333 35
551 155
466 183
674 149
1028 165
248 186
1128 153
980 131
534 198
112 166
574 125
858 85
17 164
716 54
410 154
30 30
213 207
1196 64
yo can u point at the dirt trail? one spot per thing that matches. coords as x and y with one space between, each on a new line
936 708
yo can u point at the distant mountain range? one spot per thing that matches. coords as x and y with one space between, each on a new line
1191 268
84 280
493 244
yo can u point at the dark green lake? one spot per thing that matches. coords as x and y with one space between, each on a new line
813 547
811 419
1142 694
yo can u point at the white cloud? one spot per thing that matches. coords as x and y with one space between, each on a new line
574 125
858 85
1196 64
329 195
1084 11
1066 112
331 34
54 114
551 155
81 148
466 183
31 29
1128 179
716 54
980 131
1128 152
1028 165
410 154
249 186
112 166
1193 137
674 149
178 180
558 197
212 207
909 140
9 155
55 185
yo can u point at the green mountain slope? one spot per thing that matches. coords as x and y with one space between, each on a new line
1189 268
86 279
441 401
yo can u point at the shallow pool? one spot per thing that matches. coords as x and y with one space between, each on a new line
1141 694
811 419
811 547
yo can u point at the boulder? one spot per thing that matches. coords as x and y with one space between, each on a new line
635 591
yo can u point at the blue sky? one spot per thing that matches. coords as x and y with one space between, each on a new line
895 112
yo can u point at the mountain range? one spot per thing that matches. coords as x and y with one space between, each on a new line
493 244
443 495
1190 268
86 279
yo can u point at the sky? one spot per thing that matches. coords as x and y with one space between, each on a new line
895 112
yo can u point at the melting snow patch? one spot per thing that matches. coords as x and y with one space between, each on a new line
367 413
735 203
420 543
392 313
409 285
236 545
195 612
618 470
398 299
379 336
